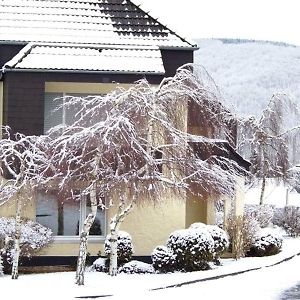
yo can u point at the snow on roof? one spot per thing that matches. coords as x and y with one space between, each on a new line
78 21
88 58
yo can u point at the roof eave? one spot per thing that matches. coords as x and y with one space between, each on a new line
24 43
192 48
6 70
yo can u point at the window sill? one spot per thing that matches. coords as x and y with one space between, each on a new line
75 239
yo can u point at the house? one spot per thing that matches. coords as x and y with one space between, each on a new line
54 48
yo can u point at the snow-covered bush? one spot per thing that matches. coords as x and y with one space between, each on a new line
34 237
124 248
136 267
278 217
242 231
267 242
220 237
193 248
100 265
289 219
262 213
163 259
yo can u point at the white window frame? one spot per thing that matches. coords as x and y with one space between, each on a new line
81 88
61 239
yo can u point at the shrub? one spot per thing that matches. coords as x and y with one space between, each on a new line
289 219
278 217
261 213
193 248
100 265
221 241
220 237
266 243
242 231
34 237
163 259
124 248
136 267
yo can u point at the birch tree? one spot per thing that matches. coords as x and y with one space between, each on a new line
22 163
272 141
132 146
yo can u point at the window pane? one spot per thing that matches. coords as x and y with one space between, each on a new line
98 227
70 112
62 218
52 116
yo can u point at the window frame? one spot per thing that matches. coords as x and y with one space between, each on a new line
82 216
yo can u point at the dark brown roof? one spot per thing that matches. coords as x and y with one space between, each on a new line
222 149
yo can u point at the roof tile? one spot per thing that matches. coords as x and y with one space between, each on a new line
82 58
79 21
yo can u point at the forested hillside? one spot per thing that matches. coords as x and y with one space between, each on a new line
249 72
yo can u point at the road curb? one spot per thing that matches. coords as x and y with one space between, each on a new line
225 275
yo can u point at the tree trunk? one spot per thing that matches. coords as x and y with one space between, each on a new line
287 197
60 218
113 265
114 228
84 238
262 192
15 264
1 266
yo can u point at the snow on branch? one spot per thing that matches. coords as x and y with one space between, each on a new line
141 138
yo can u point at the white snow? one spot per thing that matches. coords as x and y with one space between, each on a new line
266 283
82 22
72 57
275 194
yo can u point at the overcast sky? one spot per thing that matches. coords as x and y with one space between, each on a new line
276 20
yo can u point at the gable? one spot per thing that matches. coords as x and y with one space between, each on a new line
117 22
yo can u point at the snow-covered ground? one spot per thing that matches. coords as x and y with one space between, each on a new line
265 283
274 194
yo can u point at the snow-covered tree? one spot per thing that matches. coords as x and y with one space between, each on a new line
132 146
272 141
22 163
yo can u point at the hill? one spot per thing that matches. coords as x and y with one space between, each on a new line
249 72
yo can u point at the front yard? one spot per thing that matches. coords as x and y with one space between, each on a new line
269 276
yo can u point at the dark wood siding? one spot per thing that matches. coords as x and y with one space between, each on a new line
24 93
7 52
23 108
174 59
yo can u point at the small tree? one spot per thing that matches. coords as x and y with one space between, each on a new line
22 163
132 146
272 140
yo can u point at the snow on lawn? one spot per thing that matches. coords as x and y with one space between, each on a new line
265 283
274 194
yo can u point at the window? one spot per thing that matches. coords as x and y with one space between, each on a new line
55 114
66 218
52 116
